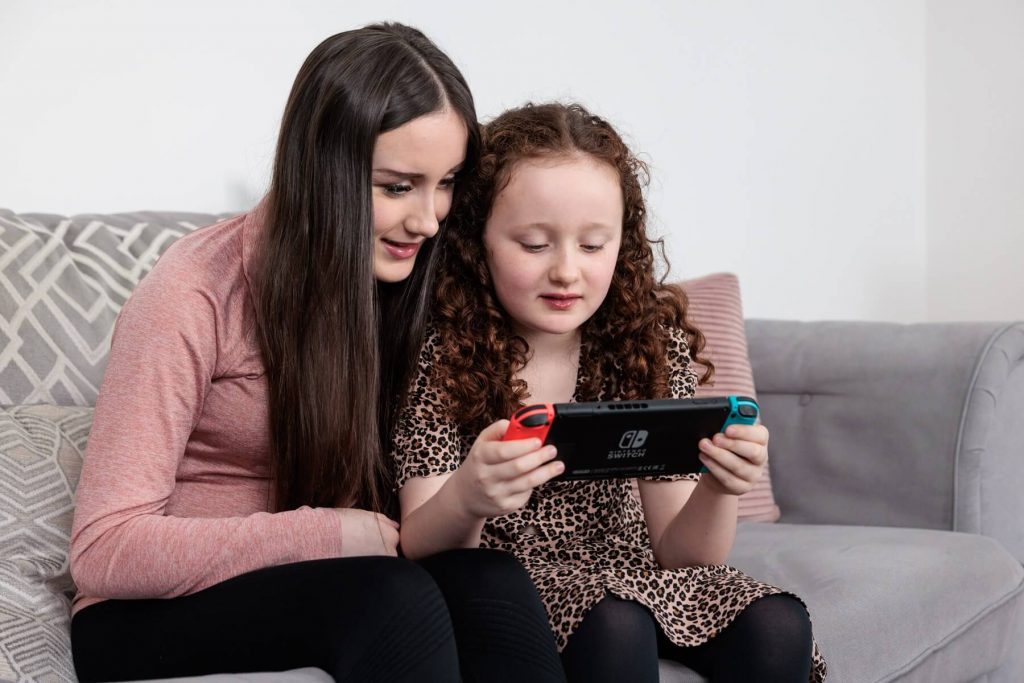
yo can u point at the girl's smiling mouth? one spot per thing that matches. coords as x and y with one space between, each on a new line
400 250
560 302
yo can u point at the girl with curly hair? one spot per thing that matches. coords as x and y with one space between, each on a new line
547 293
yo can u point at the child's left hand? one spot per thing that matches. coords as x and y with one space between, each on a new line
735 459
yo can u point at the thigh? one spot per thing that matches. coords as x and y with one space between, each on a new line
616 641
341 615
769 640
501 626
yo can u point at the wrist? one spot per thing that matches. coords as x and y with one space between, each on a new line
458 501
710 484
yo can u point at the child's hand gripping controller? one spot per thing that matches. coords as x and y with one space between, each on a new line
531 421
742 411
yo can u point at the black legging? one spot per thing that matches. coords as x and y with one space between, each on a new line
359 619
619 640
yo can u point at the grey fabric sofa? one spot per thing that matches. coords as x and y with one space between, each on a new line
896 460
898 452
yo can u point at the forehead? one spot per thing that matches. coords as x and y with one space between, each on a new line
571 190
435 140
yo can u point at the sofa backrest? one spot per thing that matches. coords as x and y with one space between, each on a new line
882 424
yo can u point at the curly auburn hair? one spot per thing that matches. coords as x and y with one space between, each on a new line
623 351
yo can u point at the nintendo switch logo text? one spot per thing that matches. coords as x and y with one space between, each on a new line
634 438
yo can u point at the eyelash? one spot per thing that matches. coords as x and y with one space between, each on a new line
398 189
536 248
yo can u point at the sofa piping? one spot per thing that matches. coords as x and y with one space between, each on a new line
968 397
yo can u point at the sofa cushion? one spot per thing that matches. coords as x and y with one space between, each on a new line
62 282
894 604
716 309
40 461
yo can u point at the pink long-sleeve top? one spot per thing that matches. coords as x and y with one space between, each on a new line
175 492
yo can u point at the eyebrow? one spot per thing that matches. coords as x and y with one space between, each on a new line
409 175
547 227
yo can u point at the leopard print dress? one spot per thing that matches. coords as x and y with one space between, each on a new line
580 540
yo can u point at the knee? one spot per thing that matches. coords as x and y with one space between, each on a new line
614 620
398 609
473 560
780 620
483 573
501 566
403 579
616 641
396 585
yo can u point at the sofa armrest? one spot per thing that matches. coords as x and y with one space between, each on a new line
895 425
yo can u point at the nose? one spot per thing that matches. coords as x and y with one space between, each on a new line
423 219
565 270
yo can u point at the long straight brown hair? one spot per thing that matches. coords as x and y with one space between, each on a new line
338 346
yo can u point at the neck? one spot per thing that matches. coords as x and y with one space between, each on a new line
544 345
552 366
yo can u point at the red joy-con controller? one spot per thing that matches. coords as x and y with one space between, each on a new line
531 422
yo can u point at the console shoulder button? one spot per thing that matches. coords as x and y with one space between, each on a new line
529 409
535 420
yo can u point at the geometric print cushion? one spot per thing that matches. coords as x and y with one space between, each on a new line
63 281
40 462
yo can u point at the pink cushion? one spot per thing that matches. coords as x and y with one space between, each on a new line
716 310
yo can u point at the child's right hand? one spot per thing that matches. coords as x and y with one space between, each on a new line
498 476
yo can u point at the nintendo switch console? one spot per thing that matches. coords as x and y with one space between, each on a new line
609 439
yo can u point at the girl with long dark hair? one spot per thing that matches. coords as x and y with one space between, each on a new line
233 510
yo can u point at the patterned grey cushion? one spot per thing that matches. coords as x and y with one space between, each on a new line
40 461
62 282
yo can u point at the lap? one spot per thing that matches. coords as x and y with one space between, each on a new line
282 617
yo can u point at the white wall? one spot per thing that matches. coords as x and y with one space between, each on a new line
787 139
975 160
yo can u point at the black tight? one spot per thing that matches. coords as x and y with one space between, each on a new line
359 619
619 640
501 628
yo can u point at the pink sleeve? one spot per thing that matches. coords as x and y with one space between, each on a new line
162 359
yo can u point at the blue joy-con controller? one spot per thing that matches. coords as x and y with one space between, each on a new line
742 411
